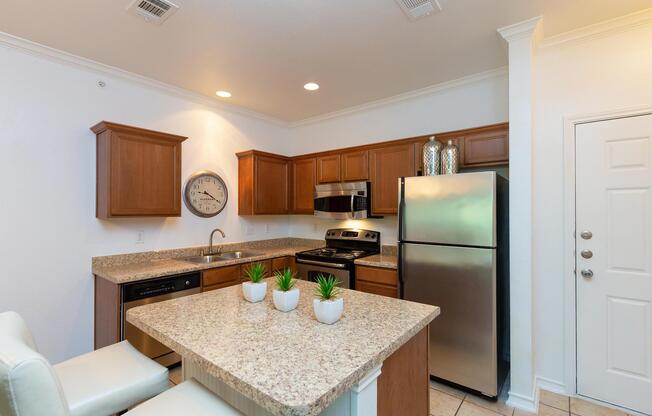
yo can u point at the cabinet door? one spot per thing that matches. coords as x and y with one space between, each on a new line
271 185
355 166
303 186
328 169
376 288
387 165
138 172
222 276
282 263
484 148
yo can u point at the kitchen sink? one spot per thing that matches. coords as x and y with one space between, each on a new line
238 254
214 258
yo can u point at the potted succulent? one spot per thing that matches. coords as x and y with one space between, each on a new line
285 296
328 306
255 289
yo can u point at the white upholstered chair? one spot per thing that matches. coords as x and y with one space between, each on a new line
99 383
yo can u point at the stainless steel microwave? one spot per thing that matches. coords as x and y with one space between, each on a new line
343 201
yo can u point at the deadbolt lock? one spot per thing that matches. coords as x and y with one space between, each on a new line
587 273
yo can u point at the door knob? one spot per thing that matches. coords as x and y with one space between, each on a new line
587 254
587 273
586 234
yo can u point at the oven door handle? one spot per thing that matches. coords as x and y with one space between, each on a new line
323 263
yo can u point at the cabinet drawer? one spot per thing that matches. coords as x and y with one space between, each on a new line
220 285
266 263
376 289
220 275
377 275
282 263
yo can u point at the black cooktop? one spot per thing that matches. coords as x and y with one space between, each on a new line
345 245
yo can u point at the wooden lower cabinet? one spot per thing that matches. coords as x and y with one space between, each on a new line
404 382
220 277
282 263
377 280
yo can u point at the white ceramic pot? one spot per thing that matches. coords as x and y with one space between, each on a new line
328 311
286 301
254 292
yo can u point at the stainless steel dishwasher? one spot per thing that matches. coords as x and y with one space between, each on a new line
152 291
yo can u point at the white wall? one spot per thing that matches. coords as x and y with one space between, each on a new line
465 105
47 175
573 79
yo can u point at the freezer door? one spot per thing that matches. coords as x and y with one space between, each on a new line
449 209
462 282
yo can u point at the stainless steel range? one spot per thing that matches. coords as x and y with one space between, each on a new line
343 246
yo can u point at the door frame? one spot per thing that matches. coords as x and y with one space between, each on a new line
570 282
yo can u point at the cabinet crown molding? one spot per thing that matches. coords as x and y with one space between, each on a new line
102 126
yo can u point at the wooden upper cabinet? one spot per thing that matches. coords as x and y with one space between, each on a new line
303 186
328 169
263 182
387 164
482 146
486 147
355 166
138 172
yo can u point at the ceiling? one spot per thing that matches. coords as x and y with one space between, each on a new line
264 51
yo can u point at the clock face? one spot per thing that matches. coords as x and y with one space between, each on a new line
205 194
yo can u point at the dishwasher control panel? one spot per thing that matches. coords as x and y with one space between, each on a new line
158 287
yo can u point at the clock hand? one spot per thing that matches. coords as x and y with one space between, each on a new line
206 193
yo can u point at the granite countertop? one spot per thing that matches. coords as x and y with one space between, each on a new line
387 261
288 363
148 269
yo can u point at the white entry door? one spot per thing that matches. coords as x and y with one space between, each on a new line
614 261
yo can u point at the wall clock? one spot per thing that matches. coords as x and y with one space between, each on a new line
205 194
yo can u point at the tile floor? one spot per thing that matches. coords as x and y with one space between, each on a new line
448 401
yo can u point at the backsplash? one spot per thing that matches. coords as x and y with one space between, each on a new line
306 226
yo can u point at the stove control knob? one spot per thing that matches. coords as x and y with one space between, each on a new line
367 235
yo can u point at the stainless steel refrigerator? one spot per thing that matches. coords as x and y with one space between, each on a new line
453 253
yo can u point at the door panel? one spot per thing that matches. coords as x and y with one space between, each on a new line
614 316
462 282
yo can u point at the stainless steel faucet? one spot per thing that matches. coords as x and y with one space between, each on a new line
210 242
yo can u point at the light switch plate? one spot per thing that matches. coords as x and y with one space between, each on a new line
140 237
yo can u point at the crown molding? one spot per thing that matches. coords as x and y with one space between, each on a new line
519 30
59 56
608 27
443 86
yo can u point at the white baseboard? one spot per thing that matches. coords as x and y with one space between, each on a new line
553 386
527 403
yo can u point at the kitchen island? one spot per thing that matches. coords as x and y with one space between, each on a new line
374 361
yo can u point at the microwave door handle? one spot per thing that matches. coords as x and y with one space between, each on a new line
353 206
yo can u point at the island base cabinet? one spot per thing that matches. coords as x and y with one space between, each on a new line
400 386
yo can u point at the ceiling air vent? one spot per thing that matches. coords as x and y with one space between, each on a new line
155 11
416 9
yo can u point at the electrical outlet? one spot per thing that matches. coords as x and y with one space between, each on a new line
266 228
140 237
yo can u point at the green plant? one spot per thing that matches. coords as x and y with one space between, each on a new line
284 279
255 272
327 288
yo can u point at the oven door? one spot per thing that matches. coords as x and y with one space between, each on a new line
342 200
310 269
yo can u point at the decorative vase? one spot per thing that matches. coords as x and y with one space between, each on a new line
286 301
328 311
254 292
432 157
450 159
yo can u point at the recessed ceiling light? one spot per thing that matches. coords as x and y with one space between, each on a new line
223 94
311 86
